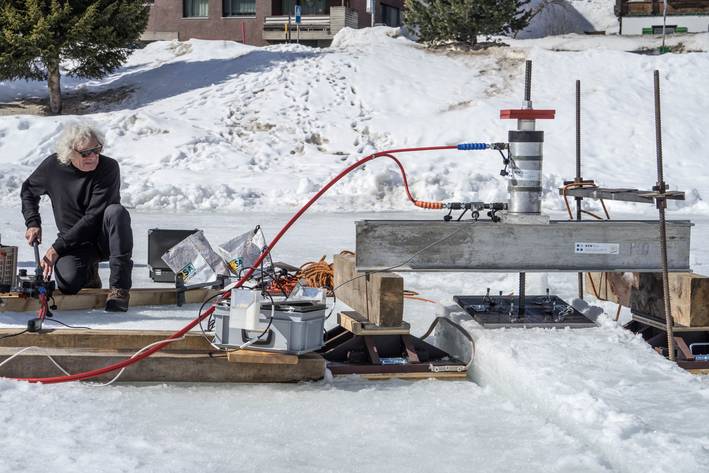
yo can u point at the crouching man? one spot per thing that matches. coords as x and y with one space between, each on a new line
84 188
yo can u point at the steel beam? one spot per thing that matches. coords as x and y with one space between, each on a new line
618 245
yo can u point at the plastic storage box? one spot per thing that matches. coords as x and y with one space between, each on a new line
297 328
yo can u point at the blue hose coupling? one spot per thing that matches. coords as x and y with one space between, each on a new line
473 146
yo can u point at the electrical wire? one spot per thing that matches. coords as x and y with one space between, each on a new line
192 324
13 334
52 319
115 378
458 327
46 353
367 273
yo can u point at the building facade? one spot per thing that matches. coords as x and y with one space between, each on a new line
646 16
260 22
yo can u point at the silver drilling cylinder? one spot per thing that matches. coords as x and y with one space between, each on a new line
525 183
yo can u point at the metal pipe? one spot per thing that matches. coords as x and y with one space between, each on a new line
578 168
661 205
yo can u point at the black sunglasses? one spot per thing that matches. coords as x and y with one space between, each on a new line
85 153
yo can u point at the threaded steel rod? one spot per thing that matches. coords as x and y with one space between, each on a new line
578 130
661 204
578 168
528 80
522 292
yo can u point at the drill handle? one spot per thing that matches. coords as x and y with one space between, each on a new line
38 267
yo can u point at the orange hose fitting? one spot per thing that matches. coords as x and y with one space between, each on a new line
428 205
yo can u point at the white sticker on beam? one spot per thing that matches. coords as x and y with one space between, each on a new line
584 248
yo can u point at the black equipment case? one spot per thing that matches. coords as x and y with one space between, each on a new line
159 241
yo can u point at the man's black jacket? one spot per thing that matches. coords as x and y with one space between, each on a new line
78 199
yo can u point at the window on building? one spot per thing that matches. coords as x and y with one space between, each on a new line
195 8
239 7
669 29
391 16
307 7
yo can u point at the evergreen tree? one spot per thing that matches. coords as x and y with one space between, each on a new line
87 38
438 21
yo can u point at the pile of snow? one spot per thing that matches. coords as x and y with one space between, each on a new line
220 125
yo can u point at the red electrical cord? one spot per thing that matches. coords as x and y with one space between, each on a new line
240 282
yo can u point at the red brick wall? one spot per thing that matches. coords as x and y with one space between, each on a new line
166 16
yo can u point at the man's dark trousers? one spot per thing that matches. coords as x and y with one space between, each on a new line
114 244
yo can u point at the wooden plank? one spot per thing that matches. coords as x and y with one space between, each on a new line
689 298
643 293
88 299
684 351
359 325
379 296
102 339
161 367
262 357
660 325
613 287
451 376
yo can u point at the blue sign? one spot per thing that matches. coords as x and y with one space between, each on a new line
297 14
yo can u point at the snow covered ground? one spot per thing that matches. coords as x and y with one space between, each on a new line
222 125
233 136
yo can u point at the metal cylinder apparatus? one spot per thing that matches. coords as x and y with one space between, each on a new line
525 178
525 146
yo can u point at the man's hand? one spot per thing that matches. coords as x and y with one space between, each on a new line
33 234
48 261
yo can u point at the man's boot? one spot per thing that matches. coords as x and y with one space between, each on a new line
93 281
117 300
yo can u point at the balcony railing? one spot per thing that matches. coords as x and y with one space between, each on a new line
312 27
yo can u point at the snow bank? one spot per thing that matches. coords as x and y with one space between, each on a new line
219 125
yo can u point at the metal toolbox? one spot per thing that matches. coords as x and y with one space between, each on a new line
297 328
159 241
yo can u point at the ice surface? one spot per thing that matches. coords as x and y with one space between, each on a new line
591 400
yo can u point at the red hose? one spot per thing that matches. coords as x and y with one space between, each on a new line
266 251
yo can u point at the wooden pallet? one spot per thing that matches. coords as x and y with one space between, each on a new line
190 360
88 299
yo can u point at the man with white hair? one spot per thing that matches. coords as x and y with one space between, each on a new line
84 188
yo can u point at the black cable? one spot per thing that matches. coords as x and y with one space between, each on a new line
66 325
390 268
270 317
13 334
334 303
202 308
